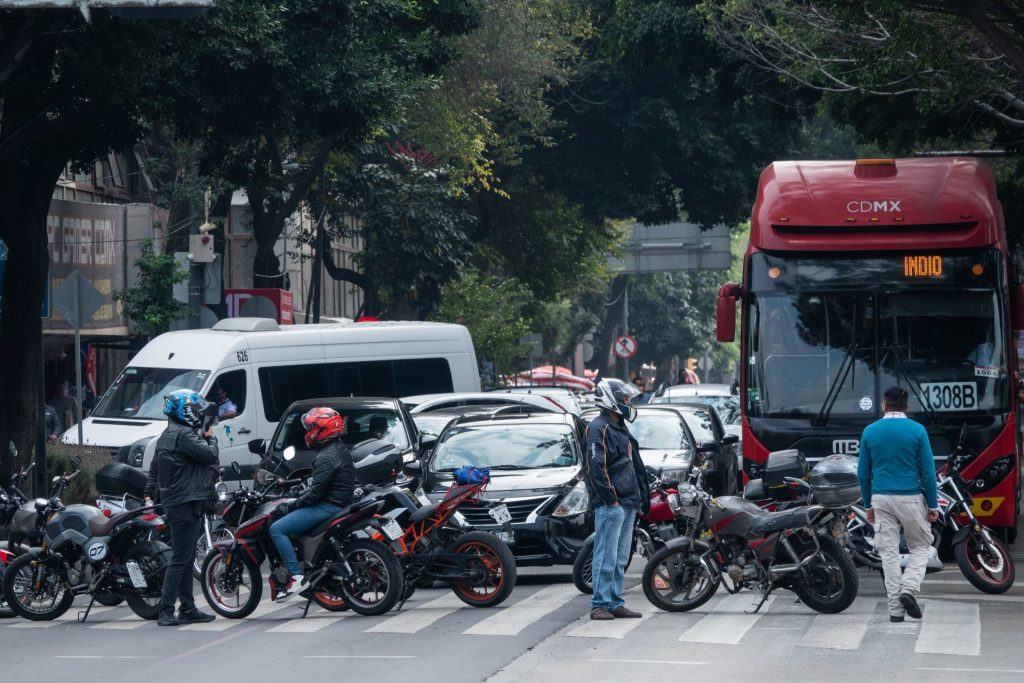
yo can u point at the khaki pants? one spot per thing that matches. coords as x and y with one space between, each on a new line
911 514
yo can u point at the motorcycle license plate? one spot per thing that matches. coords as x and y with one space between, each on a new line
508 537
500 514
393 530
136 575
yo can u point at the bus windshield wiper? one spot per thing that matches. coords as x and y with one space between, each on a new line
915 386
833 391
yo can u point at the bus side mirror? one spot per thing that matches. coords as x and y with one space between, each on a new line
1017 307
725 312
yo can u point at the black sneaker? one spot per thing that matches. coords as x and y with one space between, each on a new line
167 618
895 619
910 604
194 616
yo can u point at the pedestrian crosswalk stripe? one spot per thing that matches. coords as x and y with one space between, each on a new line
314 621
264 609
509 621
728 622
950 628
70 615
416 617
618 628
844 631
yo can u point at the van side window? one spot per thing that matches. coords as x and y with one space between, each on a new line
283 385
366 378
233 398
422 376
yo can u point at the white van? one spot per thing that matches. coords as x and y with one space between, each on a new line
263 368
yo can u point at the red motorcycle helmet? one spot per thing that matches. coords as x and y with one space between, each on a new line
322 425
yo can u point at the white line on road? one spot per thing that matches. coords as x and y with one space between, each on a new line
645 661
728 622
986 671
359 657
950 628
840 631
97 657
221 624
619 628
313 622
419 617
509 621
70 615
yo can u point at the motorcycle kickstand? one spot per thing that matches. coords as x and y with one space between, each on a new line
88 608
764 599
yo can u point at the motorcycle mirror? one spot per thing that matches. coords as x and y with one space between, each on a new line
289 453
236 468
56 479
76 461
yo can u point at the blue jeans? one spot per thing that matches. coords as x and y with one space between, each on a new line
295 522
613 539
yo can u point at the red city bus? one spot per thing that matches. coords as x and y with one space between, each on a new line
861 275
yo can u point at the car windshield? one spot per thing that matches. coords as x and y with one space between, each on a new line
430 424
139 392
661 431
360 424
728 407
506 446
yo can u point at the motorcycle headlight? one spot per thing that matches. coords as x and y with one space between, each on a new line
675 475
222 491
574 503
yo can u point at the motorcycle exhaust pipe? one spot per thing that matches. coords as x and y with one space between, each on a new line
784 569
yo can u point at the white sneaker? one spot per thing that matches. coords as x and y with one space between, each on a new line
297 584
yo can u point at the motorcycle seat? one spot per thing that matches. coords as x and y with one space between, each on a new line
754 490
102 526
423 512
770 522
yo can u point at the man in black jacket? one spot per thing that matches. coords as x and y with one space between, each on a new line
334 480
185 482
618 486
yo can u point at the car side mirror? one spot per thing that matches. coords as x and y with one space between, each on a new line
258 447
426 442
413 468
730 439
707 446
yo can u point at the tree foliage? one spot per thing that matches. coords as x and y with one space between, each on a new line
150 304
492 309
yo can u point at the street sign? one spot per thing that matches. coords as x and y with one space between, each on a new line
625 347
673 247
77 300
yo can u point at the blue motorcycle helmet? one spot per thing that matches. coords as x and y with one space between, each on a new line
185 406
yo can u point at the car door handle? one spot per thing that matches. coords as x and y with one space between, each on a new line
243 430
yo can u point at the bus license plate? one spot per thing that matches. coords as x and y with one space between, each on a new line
950 396
500 514
508 537
136 575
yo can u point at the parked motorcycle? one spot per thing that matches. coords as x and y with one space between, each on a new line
740 545
477 565
982 558
116 561
344 569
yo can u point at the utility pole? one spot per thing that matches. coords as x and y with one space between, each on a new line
318 256
625 324
195 270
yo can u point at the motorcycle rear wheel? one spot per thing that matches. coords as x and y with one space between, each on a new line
377 581
673 573
53 600
989 573
226 597
837 567
153 557
497 567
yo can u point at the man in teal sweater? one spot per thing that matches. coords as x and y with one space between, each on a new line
896 465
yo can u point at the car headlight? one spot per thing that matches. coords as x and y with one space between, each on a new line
135 454
675 475
574 503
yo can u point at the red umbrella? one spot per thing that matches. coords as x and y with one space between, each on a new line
556 375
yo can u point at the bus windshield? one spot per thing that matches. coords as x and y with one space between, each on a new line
828 353
139 392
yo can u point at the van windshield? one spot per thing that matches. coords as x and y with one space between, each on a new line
139 392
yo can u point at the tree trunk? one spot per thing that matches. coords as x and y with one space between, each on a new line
266 267
26 188
612 325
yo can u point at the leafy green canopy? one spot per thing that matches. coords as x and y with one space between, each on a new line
150 304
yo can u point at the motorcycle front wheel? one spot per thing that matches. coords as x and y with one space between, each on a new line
152 558
376 582
37 593
234 590
493 569
990 571
828 583
676 580
220 532
582 570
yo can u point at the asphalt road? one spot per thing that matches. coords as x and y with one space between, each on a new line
543 634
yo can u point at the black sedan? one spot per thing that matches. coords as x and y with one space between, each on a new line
536 470
685 426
